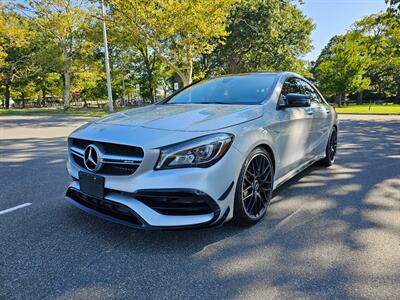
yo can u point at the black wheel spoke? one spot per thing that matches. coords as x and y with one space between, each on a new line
251 203
247 189
247 197
332 146
254 169
266 183
266 173
266 195
247 180
257 186
259 204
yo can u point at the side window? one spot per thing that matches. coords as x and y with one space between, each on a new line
311 93
291 86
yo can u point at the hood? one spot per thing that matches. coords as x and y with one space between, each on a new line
185 117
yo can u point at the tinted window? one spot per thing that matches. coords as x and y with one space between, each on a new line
243 89
310 92
291 86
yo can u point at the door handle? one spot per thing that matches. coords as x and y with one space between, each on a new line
328 111
309 111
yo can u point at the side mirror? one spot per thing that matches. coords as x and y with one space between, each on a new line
296 100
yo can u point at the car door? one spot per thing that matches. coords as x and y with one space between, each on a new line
295 129
320 121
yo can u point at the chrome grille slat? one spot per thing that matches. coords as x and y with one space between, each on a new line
118 159
113 164
77 151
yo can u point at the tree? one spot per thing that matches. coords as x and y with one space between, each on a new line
176 31
394 6
46 63
138 63
340 68
265 35
23 89
14 55
3 53
68 24
379 35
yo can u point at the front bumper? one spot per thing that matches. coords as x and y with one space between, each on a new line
127 210
166 199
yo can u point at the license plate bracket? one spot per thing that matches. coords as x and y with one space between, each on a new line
91 184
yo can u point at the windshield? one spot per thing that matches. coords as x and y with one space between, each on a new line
241 89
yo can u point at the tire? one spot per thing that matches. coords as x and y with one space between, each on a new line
254 188
330 151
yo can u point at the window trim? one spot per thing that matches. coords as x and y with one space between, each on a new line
308 85
316 91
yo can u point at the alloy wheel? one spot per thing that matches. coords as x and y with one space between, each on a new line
257 186
332 146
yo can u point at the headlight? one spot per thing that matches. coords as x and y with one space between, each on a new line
200 152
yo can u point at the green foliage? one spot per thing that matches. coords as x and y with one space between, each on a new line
380 36
69 25
340 68
15 38
394 6
265 35
176 31
367 57
55 47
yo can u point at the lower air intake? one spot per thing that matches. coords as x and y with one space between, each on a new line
107 207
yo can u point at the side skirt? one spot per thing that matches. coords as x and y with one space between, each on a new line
296 171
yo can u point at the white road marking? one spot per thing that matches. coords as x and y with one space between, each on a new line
14 208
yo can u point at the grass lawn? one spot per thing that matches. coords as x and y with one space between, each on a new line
393 109
91 112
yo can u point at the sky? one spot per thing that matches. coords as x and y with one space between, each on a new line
333 17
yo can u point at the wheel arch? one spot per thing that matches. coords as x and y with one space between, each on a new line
267 148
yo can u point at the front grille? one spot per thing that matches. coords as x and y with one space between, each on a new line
177 203
117 159
107 207
116 149
116 169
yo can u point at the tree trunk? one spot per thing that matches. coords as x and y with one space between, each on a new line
23 99
360 97
397 100
340 98
43 97
67 87
151 89
186 79
165 90
123 92
7 96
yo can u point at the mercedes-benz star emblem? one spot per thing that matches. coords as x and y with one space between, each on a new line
92 158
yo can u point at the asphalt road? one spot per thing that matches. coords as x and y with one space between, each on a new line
331 233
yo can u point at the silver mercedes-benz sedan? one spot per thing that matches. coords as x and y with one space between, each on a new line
212 152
